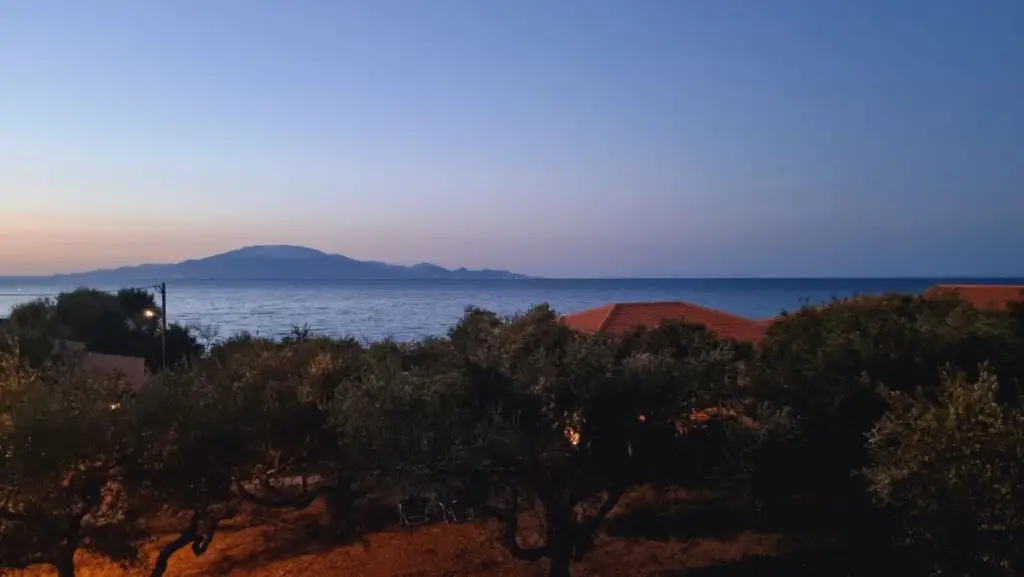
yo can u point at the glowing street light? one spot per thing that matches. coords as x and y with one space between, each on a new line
150 313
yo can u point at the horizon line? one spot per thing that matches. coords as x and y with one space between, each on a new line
58 276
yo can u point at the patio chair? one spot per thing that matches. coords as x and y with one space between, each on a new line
413 510
455 508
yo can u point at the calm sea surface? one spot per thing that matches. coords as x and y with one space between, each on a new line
410 309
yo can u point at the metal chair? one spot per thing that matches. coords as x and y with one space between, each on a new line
455 509
413 510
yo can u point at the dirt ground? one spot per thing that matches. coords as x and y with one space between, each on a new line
279 545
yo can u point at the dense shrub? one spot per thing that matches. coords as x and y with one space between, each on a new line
68 467
949 466
827 362
123 323
572 421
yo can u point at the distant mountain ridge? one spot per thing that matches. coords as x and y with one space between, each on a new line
283 262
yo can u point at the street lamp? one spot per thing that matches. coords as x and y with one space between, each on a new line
150 313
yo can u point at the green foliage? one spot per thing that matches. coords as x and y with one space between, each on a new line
32 326
67 464
398 427
126 323
108 323
572 421
827 363
194 442
949 465
519 412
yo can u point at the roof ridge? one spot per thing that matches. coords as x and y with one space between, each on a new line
612 309
1006 286
694 305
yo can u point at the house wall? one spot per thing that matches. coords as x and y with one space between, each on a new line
132 368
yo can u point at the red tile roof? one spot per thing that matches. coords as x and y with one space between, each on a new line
981 296
622 317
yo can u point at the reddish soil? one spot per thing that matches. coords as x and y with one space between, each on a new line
279 545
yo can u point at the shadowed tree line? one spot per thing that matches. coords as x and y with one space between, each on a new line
126 323
904 410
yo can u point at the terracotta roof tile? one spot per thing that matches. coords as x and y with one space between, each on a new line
622 317
989 297
590 320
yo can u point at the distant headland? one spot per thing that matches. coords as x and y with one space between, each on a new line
281 262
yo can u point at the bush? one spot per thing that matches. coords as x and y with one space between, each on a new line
949 467
68 464
572 421
827 363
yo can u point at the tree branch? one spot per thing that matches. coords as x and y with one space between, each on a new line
8 515
34 518
192 535
187 537
26 561
588 529
300 501
510 524
202 542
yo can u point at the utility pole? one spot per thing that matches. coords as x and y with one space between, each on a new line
163 325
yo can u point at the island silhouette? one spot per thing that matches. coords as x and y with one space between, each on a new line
282 262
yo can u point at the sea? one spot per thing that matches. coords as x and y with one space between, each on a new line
410 309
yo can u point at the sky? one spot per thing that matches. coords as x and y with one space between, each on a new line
569 138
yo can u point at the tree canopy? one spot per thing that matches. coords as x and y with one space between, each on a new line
914 401
126 323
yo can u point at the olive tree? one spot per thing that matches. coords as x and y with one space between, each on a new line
69 478
949 466
245 425
827 362
124 323
569 421
195 446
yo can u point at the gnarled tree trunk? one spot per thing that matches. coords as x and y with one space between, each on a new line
65 565
65 554
560 553
187 537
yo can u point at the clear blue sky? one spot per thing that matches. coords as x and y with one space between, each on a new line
562 138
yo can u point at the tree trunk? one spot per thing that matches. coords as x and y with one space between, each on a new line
65 565
340 507
160 567
193 535
561 535
184 540
510 529
586 532
560 562
65 562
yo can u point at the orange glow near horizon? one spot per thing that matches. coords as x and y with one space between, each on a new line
38 244
42 244
34 243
